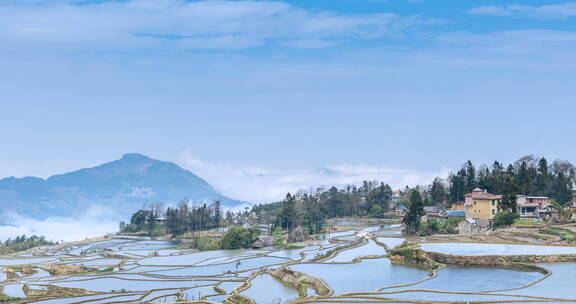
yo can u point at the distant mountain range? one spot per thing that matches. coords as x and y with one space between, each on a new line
124 185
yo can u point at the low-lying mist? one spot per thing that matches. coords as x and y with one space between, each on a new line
95 221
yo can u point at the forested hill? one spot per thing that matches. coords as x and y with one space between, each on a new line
124 185
528 176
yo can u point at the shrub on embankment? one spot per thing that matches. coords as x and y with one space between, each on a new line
410 253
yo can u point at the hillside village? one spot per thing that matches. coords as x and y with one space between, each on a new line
297 218
476 214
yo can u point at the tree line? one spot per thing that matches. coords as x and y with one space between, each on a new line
23 243
186 221
529 175
177 220
310 210
306 212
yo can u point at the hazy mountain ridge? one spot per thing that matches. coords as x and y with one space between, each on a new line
125 184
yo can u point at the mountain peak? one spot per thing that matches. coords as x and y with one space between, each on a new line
135 157
124 185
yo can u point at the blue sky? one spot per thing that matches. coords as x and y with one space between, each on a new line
285 87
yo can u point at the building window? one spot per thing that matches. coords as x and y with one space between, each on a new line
493 202
493 211
474 203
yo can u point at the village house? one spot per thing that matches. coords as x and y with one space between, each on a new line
459 214
432 209
534 207
474 226
481 205
457 206
263 241
265 228
435 212
396 196
401 210
160 220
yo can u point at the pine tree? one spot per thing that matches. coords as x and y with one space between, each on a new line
412 218
438 191
287 216
543 178
470 177
508 202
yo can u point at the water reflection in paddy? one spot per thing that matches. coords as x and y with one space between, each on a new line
266 289
560 285
6 262
495 249
217 299
199 292
229 286
388 233
114 284
15 290
367 275
348 255
161 296
78 299
98 262
475 279
130 298
391 242
185 270
441 297
334 235
193 258
293 254
219 269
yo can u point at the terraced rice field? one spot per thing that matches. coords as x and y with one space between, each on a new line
354 267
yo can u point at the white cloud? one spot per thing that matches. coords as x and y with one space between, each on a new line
93 223
492 10
562 10
262 185
180 25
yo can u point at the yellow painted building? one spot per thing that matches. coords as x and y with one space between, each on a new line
481 205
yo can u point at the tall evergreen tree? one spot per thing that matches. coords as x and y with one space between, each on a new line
411 220
497 178
508 202
217 214
287 216
438 192
458 186
543 178
470 177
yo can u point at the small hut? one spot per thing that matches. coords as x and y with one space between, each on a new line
263 241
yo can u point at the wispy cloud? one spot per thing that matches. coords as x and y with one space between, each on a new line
181 25
521 49
553 11
258 184
92 223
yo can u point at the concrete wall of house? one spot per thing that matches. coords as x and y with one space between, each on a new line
466 228
458 206
483 209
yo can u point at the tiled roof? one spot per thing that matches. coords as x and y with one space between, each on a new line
457 213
